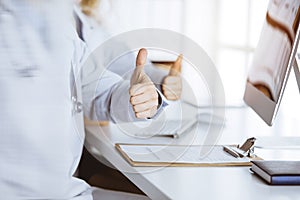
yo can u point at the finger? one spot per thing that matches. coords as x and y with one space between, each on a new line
172 95
138 75
145 106
146 114
172 80
141 58
141 88
142 98
176 67
171 91
175 90
174 86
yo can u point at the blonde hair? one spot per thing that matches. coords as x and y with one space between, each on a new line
89 7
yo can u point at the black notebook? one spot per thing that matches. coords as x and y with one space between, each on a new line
278 172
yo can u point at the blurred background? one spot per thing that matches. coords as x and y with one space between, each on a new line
228 30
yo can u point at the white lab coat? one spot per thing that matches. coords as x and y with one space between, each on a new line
41 132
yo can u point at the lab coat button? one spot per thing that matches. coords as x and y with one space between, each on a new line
74 99
78 107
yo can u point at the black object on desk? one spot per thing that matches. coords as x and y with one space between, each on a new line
278 172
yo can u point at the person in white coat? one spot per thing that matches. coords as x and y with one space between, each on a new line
41 118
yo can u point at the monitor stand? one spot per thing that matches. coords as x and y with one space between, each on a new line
296 69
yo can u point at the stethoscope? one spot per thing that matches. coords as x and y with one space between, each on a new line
77 106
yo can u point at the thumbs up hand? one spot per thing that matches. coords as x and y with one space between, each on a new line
143 94
172 84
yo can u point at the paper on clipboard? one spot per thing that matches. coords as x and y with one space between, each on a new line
178 155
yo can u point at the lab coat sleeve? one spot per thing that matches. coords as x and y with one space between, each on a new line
98 85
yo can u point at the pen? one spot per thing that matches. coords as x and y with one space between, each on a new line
230 151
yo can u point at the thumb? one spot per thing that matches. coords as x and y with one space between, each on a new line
176 67
138 74
141 58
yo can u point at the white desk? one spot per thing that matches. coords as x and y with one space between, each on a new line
201 182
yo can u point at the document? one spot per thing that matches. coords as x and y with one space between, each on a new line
179 155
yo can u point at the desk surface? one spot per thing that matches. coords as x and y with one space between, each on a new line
201 182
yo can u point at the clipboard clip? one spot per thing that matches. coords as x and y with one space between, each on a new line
241 151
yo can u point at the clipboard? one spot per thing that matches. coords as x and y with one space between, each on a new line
161 155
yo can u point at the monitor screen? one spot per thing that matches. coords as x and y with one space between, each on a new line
273 58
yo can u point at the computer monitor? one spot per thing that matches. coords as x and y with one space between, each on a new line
273 59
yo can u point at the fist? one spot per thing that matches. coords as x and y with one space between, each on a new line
143 94
172 84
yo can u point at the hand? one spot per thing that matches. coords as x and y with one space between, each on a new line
172 84
143 94
265 90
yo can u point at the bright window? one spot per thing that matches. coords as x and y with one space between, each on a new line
228 30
